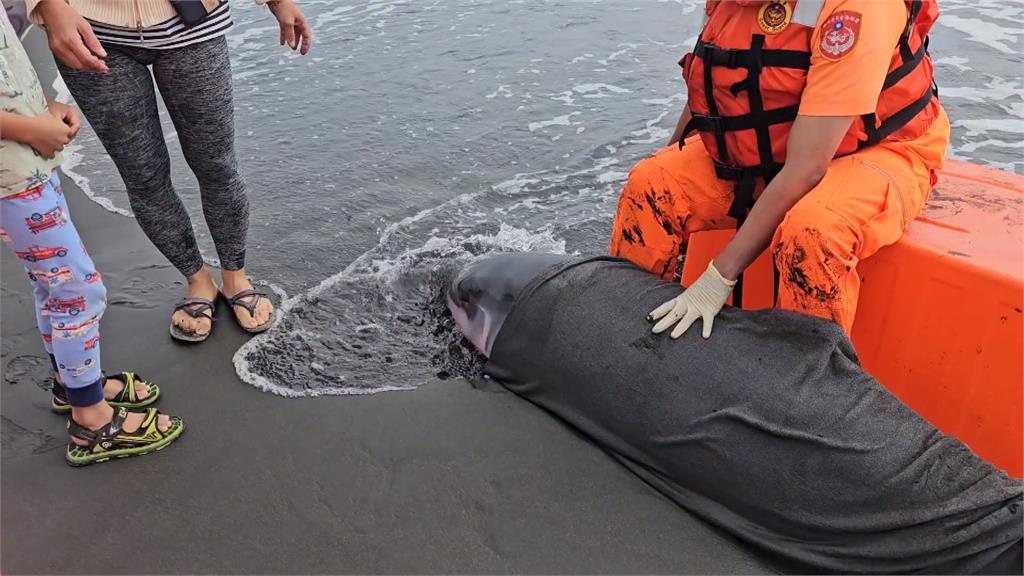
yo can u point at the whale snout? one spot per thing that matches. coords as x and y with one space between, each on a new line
464 311
484 292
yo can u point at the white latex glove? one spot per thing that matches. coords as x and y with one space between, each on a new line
703 299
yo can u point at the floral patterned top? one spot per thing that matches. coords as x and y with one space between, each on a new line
21 167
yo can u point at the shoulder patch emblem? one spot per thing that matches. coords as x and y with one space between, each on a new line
774 17
839 34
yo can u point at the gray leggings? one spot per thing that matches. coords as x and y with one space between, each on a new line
195 83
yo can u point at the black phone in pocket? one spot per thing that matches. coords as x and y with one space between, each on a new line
193 12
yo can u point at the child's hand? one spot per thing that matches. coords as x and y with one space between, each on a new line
68 114
48 134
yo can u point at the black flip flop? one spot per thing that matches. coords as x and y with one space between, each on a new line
196 308
250 306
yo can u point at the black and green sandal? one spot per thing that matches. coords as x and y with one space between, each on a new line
127 397
112 441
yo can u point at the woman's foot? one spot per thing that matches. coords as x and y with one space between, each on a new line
200 285
235 282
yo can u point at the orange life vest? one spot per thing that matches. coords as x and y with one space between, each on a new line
744 87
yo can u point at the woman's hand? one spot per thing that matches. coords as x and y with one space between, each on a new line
68 115
294 30
70 36
48 134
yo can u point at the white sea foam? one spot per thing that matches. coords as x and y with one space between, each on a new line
972 146
651 132
599 88
670 100
613 56
611 176
988 33
562 120
236 39
501 90
980 126
996 90
954 61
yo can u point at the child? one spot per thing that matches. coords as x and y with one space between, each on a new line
109 418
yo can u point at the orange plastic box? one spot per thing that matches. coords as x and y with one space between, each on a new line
939 320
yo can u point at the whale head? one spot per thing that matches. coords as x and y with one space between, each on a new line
483 293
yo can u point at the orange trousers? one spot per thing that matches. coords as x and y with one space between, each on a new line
865 201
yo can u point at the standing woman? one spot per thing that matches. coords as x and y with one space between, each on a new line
105 50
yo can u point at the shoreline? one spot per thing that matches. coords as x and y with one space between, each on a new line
443 479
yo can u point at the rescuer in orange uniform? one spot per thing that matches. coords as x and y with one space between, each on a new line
819 134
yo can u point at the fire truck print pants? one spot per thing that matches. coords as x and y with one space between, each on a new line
195 84
70 297
865 202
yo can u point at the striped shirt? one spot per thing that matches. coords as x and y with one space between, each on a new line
169 34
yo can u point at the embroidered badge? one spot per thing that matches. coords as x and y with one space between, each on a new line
839 34
773 17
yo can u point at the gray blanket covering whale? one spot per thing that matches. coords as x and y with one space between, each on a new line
770 429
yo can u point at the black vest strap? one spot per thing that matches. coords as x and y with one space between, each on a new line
709 96
746 181
732 58
743 122
887 127
875 131
912 12
753 60
764 138
906 67
689 127
910 58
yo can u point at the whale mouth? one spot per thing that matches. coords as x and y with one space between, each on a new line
464 298
472 322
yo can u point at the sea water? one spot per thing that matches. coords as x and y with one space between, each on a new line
417 135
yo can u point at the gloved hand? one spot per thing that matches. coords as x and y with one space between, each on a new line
703 299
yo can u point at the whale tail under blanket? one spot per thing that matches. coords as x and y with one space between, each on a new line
770 429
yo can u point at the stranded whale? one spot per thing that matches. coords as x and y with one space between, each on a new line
770 429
